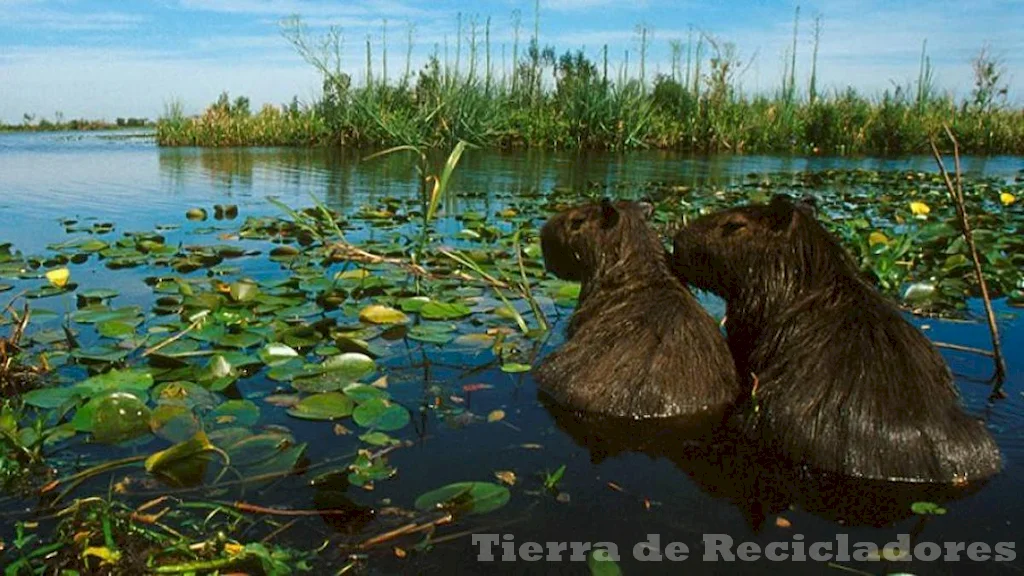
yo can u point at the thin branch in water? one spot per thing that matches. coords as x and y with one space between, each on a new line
957 194
960 348
195 323
410 528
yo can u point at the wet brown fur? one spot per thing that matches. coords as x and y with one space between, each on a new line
639 344
845 383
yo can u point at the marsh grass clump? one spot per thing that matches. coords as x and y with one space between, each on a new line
543 98
103 535
840 380
639 344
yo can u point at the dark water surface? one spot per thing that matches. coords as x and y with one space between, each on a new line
623 483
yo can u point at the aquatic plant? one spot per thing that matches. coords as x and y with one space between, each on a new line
257 337
583 106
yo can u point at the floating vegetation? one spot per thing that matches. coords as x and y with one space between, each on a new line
154 426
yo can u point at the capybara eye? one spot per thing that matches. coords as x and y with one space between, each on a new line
576 223
730 228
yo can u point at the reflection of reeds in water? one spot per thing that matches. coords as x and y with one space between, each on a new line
544 99
230 169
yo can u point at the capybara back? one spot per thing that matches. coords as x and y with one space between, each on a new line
638 344
839 379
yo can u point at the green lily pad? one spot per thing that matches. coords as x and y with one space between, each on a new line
601 564
50 398
104 314
378 439
129 380
48 291
324 406
432 333
119 416
927 508
413 304
186 450
236 413
380 414
377 314
443 310
465 498
276 354
362 392
98 294
242 340
116 329
244 291
515 367
350 366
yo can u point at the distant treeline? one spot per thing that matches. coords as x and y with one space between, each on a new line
31 124
572 101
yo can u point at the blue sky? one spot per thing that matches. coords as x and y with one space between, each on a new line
103 59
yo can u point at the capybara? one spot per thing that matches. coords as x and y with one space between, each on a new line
639 345
839 379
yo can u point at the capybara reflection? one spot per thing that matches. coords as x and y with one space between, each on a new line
724 463
639 345
840 380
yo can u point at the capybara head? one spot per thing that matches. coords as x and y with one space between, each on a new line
743 248
583 241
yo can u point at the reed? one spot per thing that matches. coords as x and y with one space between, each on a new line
543 99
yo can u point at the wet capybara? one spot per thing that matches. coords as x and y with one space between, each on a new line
639 345
840 380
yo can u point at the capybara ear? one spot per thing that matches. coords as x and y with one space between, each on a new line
609 214
781 211
810 205
647 209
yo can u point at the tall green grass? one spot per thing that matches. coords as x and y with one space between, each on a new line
546 99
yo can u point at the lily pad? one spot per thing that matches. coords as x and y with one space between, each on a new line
129 380
350 366
275 354
377 314
363 392
465 498
236 413
380 414
601 564
515 367
242 340
119 416
188 449
50 398
444 310
324 406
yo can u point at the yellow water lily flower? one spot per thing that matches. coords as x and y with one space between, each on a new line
1006 198
919 208
877 238
58 277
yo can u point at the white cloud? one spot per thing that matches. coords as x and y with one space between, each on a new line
34 17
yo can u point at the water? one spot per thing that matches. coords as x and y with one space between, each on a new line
675 485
